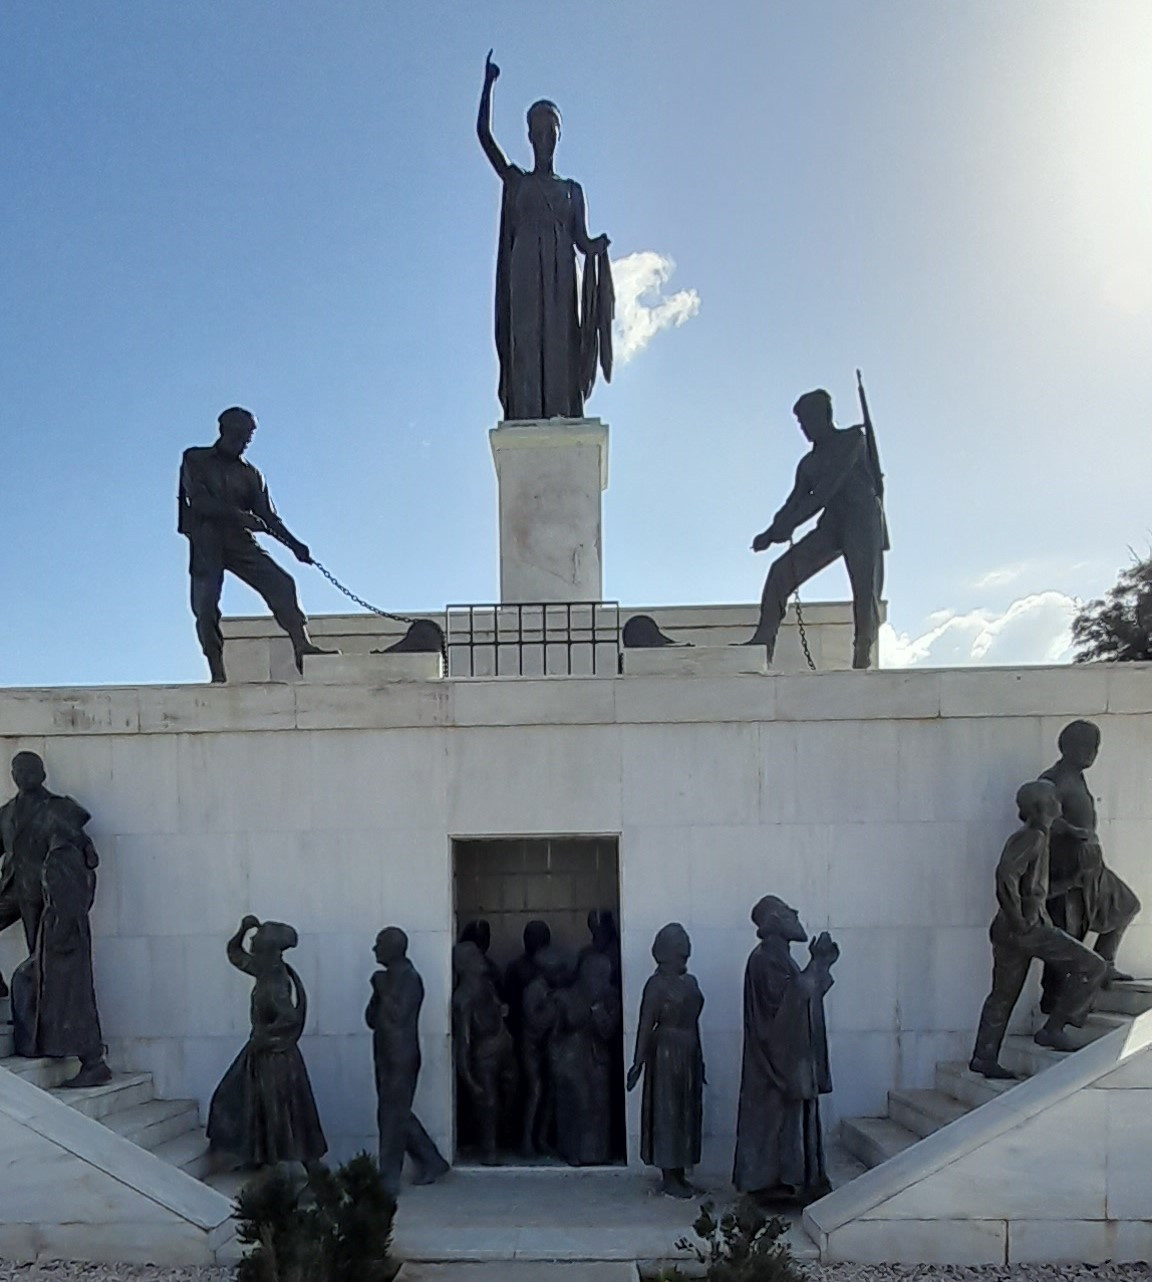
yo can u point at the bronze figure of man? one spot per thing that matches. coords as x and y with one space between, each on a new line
836 478
224 503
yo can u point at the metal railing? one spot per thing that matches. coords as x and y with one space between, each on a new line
534 638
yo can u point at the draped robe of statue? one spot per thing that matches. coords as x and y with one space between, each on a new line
54 998
785 1071
549 342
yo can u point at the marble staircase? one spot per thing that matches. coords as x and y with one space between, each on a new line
914 1114
127 1105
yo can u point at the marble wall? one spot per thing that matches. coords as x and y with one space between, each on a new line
877 802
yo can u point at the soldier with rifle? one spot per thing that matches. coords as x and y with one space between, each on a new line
839 478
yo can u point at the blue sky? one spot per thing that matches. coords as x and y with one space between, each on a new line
283 204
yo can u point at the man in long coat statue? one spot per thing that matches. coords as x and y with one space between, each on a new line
779 1147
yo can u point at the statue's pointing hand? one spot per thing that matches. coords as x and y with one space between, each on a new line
491 70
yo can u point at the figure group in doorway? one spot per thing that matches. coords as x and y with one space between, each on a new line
537 1046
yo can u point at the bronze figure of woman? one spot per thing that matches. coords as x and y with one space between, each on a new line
669 1056
549 342
263 1111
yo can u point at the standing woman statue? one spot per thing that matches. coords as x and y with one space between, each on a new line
669 1056
263 1112
548 342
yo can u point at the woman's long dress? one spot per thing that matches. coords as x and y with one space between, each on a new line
672 1107
548 351
263 1111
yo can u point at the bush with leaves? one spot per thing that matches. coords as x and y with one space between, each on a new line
742 1244
330 1227
1118 627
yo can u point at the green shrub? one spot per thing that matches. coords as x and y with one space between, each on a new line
329 1227
741 1245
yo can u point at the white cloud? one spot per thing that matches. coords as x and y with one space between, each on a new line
642 310
1033 629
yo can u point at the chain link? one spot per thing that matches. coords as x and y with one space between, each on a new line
800 618
373 609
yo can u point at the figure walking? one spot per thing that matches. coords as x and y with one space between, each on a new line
393 1015
1022 930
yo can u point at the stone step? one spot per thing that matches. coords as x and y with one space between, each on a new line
875 1139
1125 999
44 1073
1099 1024
189 1152
125 1090
150 1124
5 1010
924 1111
958 1080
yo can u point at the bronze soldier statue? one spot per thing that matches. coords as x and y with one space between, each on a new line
224 503
840 478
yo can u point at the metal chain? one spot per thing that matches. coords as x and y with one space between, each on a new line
800 619
373 609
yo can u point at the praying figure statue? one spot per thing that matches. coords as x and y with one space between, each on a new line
1086 896
263 1112
670 1058
393 1015
549 345
1022 929
779 1142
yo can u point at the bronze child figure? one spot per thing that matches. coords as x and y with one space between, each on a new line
263 1112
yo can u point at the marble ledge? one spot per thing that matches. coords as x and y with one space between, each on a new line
875 695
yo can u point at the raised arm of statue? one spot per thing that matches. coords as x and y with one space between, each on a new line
491 147
238 955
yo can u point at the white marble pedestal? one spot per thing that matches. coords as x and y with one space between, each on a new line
371 669
550 474
695 661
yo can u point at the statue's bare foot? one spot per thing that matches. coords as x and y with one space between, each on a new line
1114 976
991 1069
1055 1039
676 1186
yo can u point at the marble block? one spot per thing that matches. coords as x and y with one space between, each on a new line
550 476
371 669
696 661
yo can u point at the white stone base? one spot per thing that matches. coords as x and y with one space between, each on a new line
371 669
75 1190
695 661
550 476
